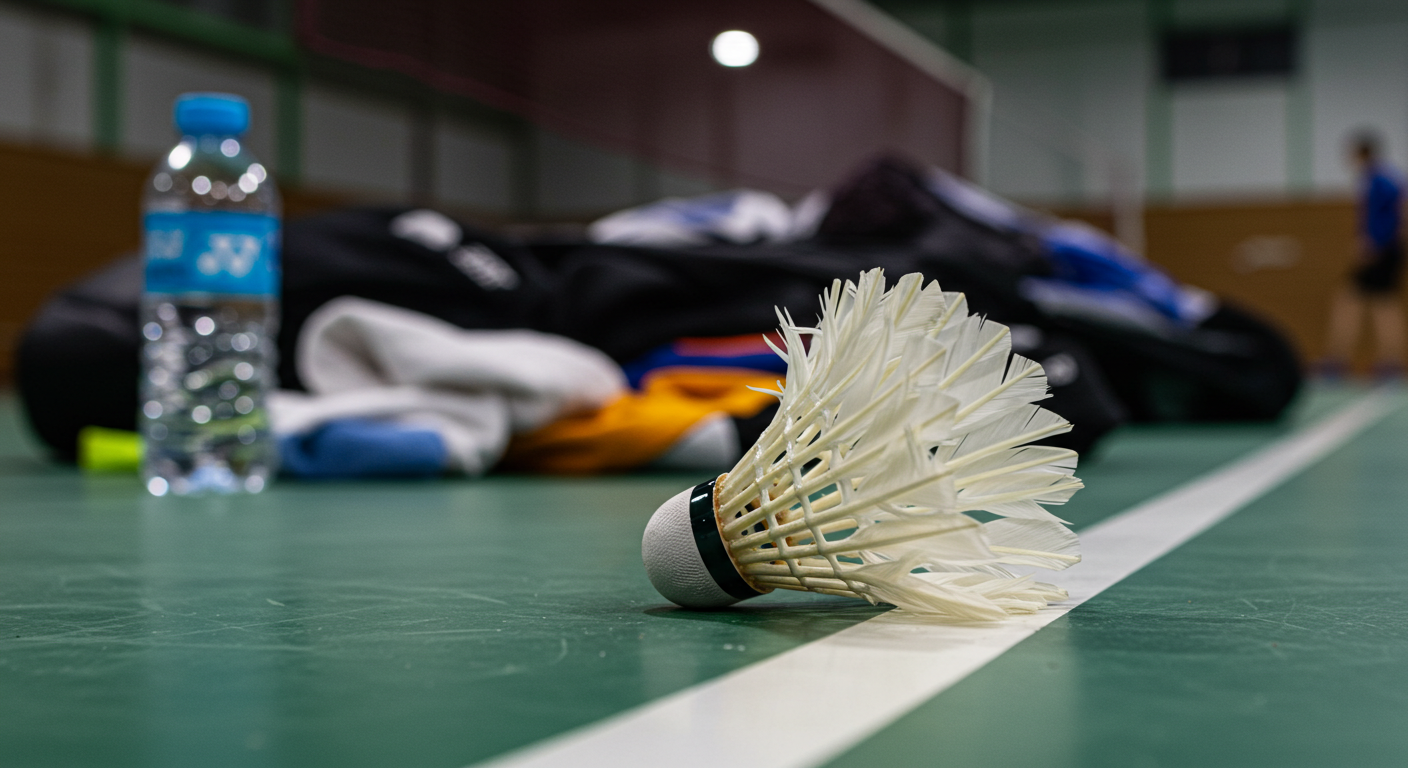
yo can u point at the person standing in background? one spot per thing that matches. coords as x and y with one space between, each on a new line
1374 282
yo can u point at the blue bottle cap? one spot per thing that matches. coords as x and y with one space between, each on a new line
219 113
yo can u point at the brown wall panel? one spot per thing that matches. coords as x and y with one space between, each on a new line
1283 259
62 216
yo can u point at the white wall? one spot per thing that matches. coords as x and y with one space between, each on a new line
1229 139
1358 79
473 168
1069 84
576 179
356 143
45 78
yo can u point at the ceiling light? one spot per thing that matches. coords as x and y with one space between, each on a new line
735 48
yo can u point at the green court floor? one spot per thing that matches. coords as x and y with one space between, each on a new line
445 623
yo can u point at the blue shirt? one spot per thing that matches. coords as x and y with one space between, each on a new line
1380 209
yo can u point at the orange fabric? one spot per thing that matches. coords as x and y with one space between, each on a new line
638 427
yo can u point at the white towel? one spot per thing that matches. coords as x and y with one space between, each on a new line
364 359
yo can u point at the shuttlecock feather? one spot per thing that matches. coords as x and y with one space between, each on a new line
903 415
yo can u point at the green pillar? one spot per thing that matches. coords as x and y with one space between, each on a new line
1300 116
958 29
108 38
289 124
1158 108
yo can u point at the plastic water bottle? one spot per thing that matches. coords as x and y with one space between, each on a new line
210 217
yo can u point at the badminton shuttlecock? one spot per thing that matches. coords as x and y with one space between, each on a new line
902 426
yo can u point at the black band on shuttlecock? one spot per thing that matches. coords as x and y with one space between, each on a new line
711 543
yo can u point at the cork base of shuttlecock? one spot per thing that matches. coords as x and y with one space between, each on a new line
680 571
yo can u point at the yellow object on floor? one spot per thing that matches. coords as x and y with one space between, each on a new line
109 450
639 427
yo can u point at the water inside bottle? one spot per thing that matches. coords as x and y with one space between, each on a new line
205 368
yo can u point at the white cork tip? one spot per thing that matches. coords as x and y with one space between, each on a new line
672 558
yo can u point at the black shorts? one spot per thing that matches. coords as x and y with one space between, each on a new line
1380 275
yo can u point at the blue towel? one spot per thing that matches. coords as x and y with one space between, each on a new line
363 448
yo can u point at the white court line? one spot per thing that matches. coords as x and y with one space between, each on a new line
870 674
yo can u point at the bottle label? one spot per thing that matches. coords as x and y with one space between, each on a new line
212 252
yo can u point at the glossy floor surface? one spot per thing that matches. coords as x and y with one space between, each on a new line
444 623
